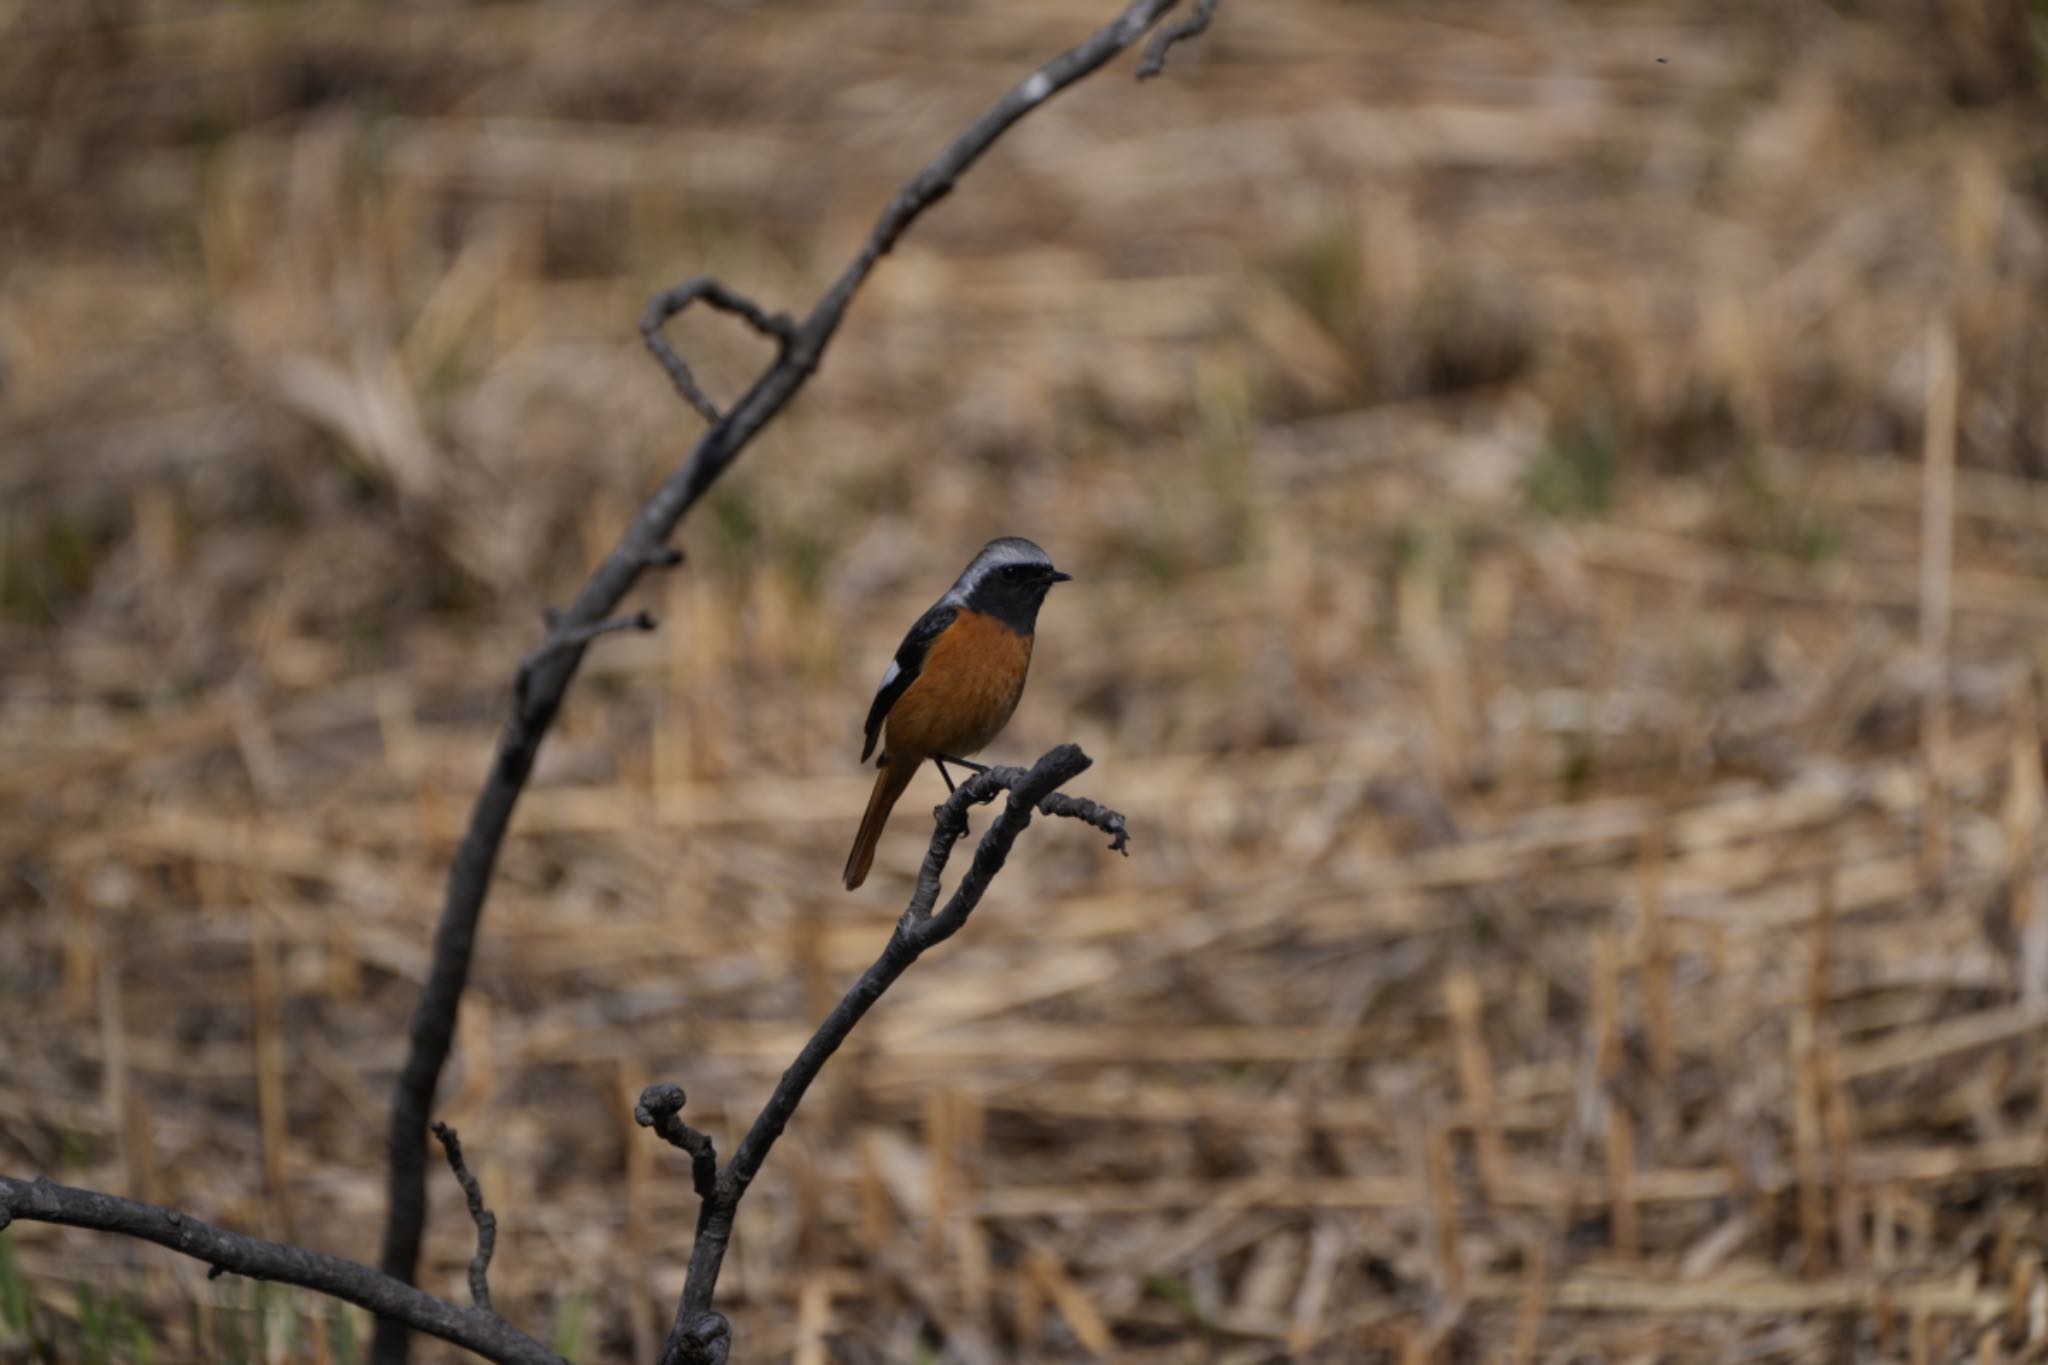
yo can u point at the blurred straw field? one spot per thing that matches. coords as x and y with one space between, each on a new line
1562 574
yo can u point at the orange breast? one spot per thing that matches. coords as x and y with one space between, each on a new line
964 694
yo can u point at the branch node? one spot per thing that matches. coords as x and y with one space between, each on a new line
1164 40
669 302
705 1339
214 1272
950 825
661 1108
583 635
560 640
486 1221
663 557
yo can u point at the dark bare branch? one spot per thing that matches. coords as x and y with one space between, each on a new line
983 787
949 826
544 680
661 1108
486 1221
700 1335
473 1329
1164 41
1088 812
670 302
564 638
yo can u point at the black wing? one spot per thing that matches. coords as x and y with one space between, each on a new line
903 672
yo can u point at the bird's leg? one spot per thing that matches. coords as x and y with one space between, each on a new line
948 758
937 811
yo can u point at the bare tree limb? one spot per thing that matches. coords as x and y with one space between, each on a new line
474 1329
544 680
486 1221
700 1335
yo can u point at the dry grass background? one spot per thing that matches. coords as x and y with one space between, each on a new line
1586 901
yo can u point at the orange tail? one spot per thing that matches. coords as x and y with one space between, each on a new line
889 785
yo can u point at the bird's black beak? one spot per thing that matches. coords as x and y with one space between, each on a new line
1055 576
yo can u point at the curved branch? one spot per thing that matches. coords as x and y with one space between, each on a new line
1164 41
546 677
670 302
473 1329
1088 813
700 1335
486 1221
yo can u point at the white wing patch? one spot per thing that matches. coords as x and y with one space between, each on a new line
895 672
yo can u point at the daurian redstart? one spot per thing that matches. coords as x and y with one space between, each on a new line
955 680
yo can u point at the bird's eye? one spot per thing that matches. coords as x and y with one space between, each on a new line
1013 570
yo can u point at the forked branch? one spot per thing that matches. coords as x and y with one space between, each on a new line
544 679
1179 31
701 1335
475 1329
669 302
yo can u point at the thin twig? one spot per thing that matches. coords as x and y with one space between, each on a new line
1165 40
577 637
1087 812
670 302
661 1108
473 1329
545 677
564 638
486 1221
700 1335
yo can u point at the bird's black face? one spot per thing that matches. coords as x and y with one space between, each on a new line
1012 592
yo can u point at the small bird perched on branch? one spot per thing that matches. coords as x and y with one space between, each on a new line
955 679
